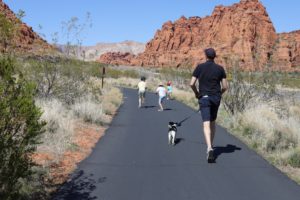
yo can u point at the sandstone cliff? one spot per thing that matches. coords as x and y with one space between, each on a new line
24 40
286 55
242 31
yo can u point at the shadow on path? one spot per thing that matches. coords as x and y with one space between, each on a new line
178 140
79 187
146 107
228 149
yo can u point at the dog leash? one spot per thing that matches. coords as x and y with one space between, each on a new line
187 118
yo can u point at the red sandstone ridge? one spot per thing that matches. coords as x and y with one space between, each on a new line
242 31
26 40
286 55
117 58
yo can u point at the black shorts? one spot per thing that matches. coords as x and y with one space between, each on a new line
209 106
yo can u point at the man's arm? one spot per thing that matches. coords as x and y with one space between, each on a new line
194 88
224 85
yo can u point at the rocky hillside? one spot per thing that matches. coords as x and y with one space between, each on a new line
242 32
23 39
92 53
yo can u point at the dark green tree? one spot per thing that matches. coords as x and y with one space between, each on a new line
20 128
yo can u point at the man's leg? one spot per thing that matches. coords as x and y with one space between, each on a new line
213 113
213 131
208 138
207 134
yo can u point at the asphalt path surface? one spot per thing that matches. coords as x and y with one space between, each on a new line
133 161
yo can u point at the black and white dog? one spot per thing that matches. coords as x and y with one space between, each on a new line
172 132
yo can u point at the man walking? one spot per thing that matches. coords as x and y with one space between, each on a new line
212 84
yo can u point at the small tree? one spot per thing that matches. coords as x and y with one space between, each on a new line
247 86
72 31
241 91
20 128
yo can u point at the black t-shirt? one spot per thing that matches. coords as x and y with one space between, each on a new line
209 75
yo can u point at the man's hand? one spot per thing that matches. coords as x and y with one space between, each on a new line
194 88
224 85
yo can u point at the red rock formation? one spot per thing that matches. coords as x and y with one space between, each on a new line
286 55
242 31
117 58
25 40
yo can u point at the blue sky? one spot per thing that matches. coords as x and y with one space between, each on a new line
119 20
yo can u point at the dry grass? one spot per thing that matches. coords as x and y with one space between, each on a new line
89 110
61 119
186 97
270 132
59 129
272 129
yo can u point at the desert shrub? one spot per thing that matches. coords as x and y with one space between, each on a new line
294 159
108 108
111 100
239 94
280 141
45 75
116 73
59 129
262 124
245 87
112 95
60 78
90 110
248 131
20 129
69 89
290 80
295 111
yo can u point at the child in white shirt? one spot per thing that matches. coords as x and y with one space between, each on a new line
161 91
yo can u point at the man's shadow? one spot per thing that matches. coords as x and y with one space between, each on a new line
228 149
146 107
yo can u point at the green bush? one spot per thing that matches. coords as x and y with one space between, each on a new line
60 78
280 141
294 159
20 128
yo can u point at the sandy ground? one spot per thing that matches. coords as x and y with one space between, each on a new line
86 137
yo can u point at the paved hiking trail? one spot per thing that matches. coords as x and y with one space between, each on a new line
133 161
